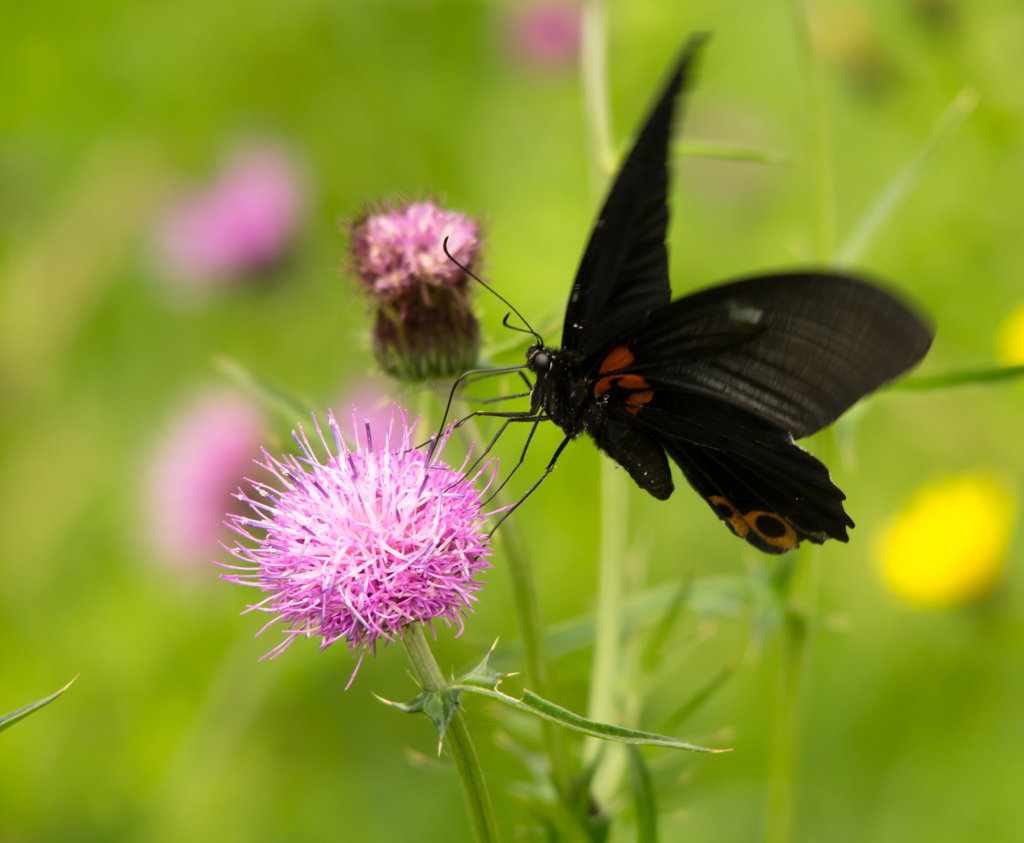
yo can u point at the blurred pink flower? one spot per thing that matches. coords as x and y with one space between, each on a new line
242 223
364 543
206 453
546 33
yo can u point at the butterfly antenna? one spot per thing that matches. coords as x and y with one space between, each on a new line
475 277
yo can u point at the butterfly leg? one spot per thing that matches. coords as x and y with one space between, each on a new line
494 440
522 458
497 400
522 415
486 373
533 488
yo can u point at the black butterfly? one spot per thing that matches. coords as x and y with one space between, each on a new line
721 380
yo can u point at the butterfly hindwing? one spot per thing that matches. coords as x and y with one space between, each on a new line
767 489
624 271
637 452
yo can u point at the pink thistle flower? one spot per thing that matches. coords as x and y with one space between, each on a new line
202 459
424 326
396 252
546 34
242 224
361 545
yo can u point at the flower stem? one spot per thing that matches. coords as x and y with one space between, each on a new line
793 656
474 786
785 727
604 671
614 485
531 627
594 76
795 653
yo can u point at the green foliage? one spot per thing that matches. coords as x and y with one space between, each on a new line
9 719
911 720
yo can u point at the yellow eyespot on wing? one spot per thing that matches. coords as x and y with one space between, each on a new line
768 528
772 529
730 515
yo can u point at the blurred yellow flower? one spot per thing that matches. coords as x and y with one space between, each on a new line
948 547
1010 343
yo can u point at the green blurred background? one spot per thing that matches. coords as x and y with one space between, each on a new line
914 720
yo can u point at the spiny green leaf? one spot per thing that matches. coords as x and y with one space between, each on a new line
643 795
549 711
13 717
483 675
439 706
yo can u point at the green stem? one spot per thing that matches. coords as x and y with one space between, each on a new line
474 786
531 626
821 165
604 672
614 486
594 76
785 729
795 582
792 652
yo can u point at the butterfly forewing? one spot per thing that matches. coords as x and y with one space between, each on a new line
624 271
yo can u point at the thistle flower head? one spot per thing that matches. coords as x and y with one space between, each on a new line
363 544
424 326
398 252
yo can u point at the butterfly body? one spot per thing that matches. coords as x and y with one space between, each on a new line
721 381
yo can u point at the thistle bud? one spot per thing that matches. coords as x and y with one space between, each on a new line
424 327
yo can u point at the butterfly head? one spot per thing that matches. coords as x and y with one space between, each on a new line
539 358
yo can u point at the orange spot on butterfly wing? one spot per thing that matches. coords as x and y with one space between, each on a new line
618 358
635 399
631 382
